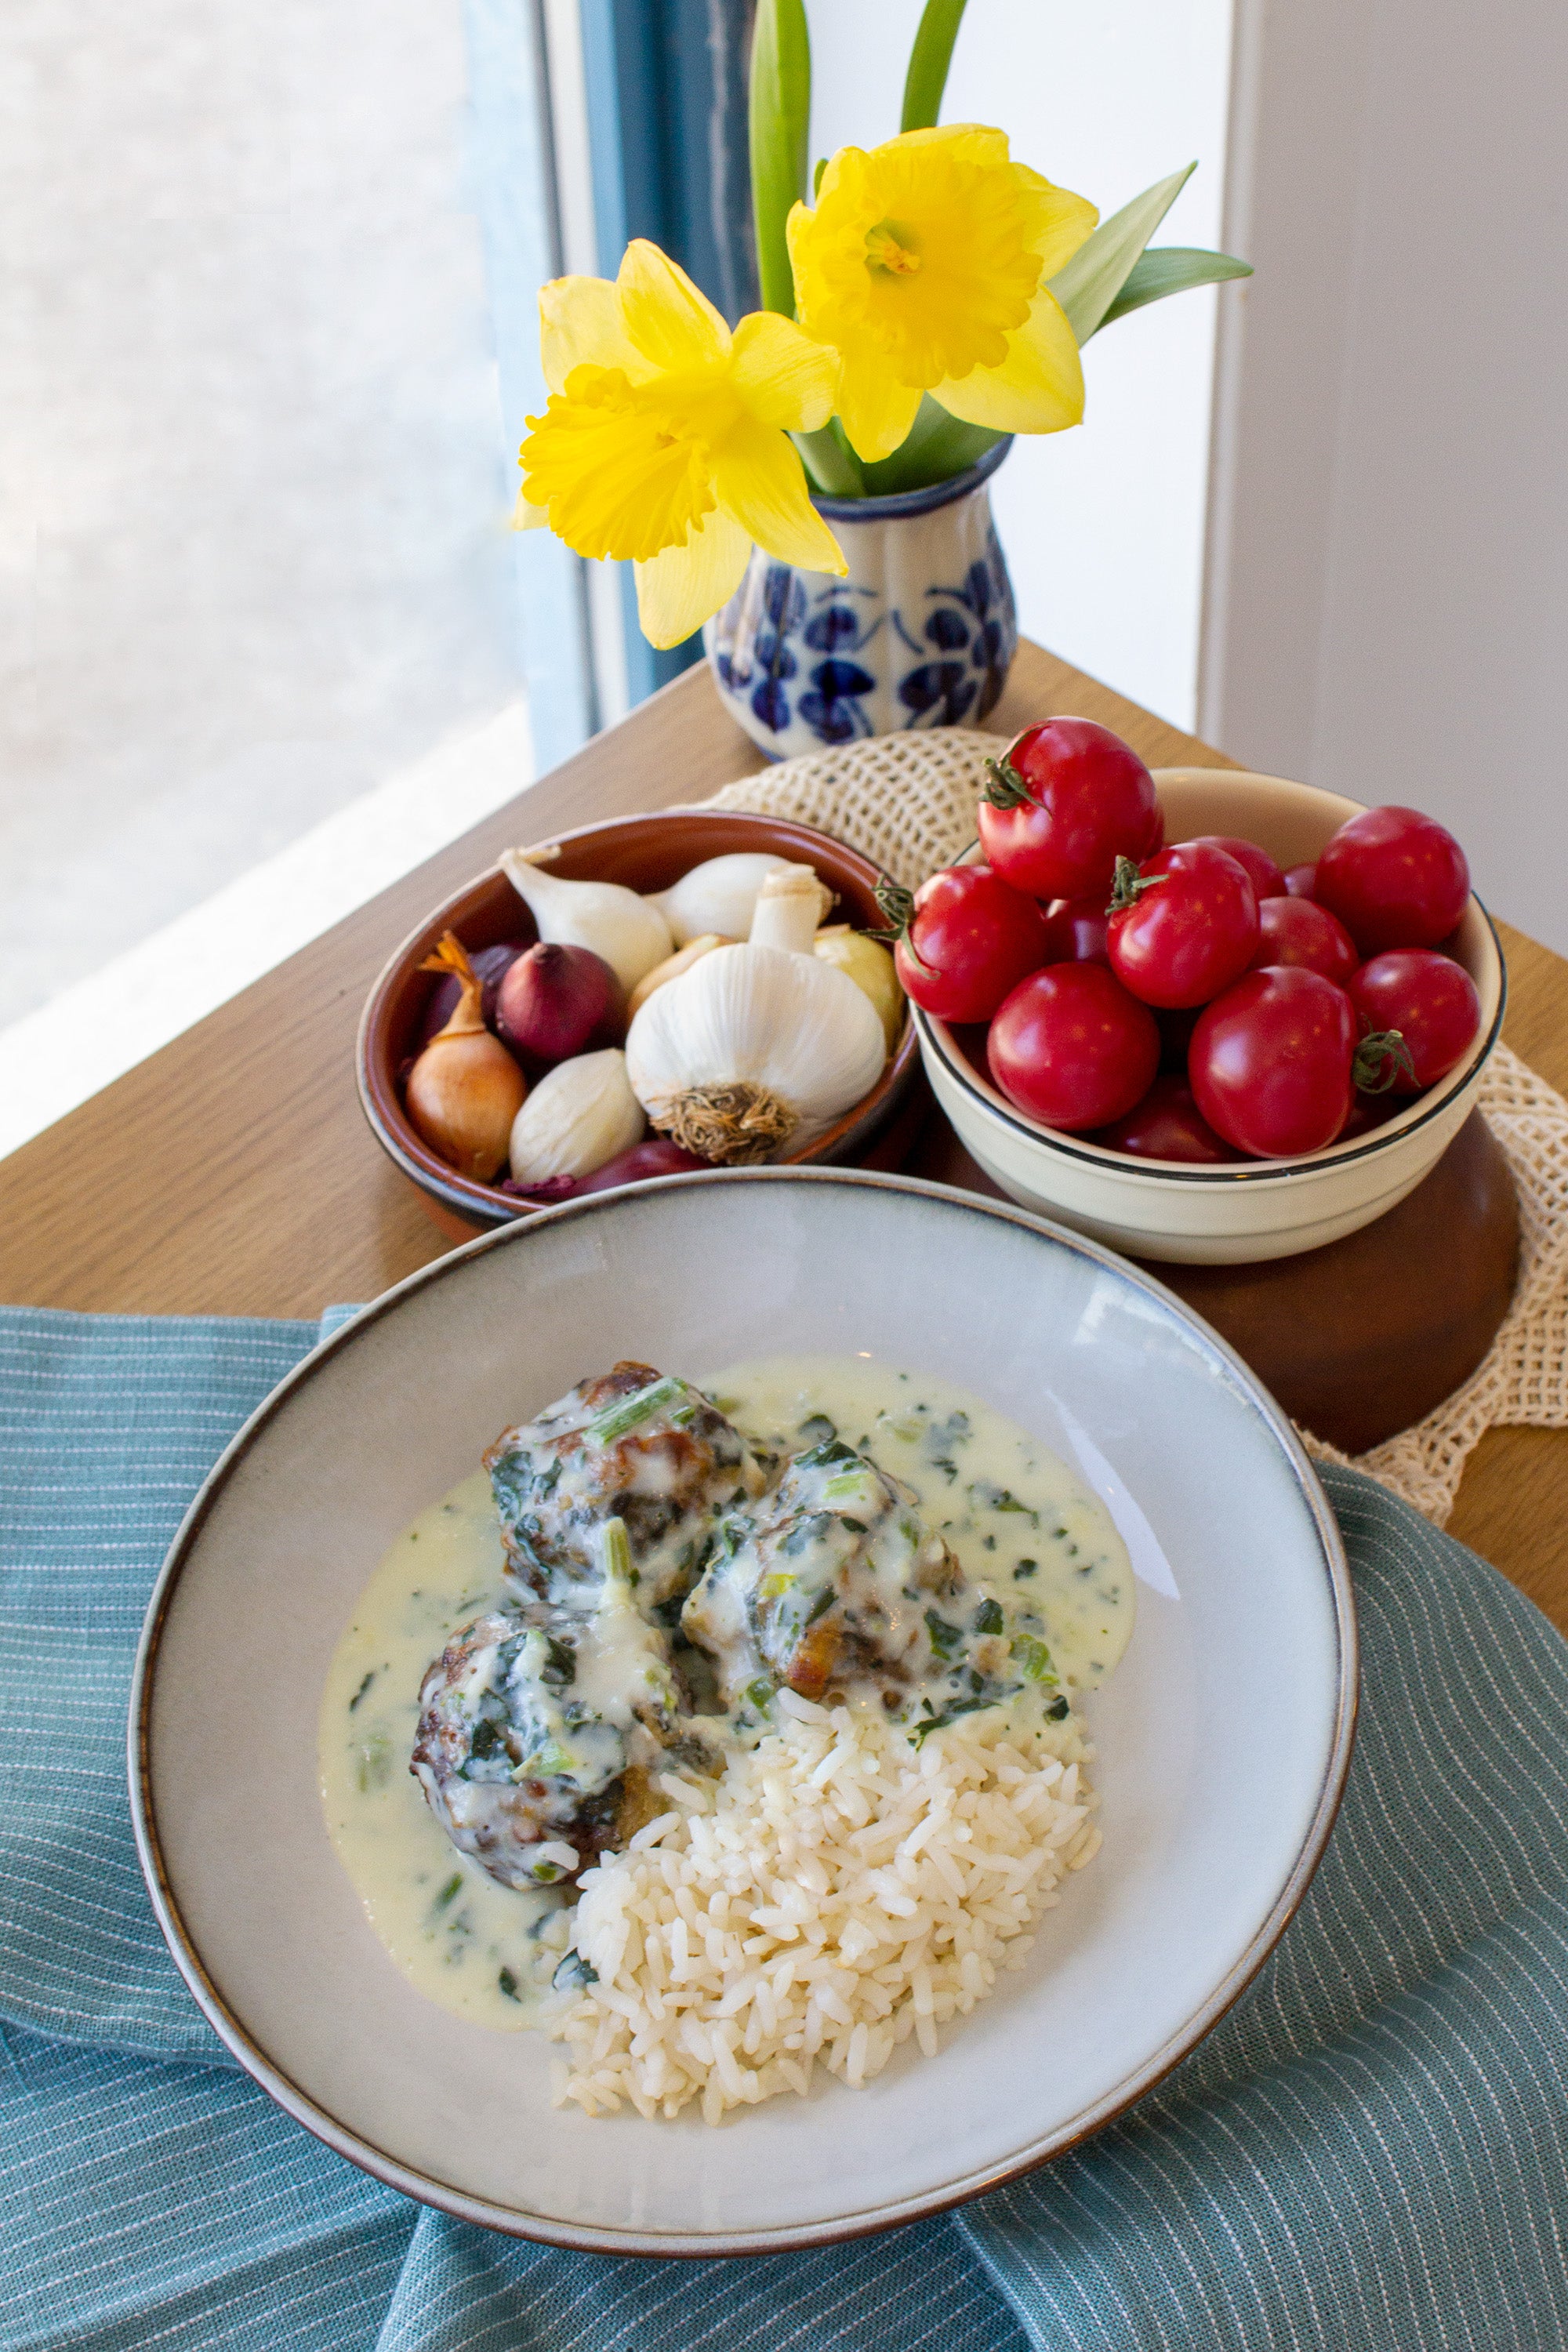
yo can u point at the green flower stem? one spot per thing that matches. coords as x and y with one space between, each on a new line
937 447
928 61
830 465
780 120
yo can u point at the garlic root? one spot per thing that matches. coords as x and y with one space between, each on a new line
736 1122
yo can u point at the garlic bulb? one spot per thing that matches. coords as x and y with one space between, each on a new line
671 969
868 963
581 1113
717 896
790 905
754 1051
627 930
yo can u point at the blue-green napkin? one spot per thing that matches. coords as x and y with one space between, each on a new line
1369 2152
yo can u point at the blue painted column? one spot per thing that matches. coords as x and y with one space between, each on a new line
666 87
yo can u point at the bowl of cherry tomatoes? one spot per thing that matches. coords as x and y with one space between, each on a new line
1202 1014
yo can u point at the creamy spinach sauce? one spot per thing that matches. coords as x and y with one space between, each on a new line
1047 1610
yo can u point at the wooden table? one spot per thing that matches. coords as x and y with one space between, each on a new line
233 1174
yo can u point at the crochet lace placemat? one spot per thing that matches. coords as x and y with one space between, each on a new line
908 802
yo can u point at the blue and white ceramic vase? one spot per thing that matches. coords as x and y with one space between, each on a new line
921 633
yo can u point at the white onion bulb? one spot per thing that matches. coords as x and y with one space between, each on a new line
581 1113
717 896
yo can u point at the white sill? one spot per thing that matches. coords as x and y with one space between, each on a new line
103 1024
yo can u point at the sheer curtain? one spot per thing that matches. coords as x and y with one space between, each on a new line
255 471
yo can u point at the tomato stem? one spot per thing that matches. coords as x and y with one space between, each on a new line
1128 884
1005 787
899 905
1382 1057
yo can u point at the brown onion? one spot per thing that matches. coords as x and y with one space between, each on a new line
554 1000
465 1089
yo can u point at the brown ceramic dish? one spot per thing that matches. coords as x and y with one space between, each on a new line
644 852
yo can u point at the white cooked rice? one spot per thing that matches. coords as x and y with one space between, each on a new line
837 1893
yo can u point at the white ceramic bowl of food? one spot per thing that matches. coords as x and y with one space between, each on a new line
1223 1739
1254 1209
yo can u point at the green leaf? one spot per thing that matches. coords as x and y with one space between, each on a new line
936 447
1087 284
780 119
929 61
1171 270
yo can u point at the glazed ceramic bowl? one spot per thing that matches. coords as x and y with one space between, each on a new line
1255 1209
644 852
1221 1738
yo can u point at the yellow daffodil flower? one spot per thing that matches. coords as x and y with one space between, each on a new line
925 264
664 441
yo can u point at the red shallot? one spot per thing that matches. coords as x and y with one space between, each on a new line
554 1000
657 1157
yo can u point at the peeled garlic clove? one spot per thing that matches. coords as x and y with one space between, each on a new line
753 1052
627 930
717 896
581 1113
671 969
870 966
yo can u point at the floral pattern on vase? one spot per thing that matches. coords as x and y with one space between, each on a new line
921 633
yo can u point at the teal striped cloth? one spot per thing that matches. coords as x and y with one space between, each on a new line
1369 2152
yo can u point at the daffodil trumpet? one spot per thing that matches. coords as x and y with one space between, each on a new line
664 441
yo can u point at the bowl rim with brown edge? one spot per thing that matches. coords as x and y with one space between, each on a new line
472 911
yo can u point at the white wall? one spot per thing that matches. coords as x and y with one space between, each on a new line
1103 526
1390 580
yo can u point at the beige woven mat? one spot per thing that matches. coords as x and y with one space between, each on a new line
908 801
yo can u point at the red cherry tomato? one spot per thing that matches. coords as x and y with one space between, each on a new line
1075 931
1265 876
1072 1048
1190 928
1394 878
1063 801
1270 1062
965 940
1432 1002
1166 1125
1294 930
1300 881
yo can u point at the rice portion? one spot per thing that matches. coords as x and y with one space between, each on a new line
839 1890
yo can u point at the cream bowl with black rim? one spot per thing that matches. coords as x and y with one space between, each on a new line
1223 1738
1248 1209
